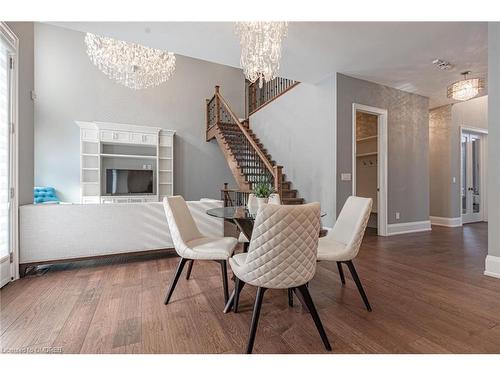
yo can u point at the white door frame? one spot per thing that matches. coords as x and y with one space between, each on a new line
483 133
11 39
382 161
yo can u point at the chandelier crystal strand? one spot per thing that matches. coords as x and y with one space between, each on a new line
261 49
130 64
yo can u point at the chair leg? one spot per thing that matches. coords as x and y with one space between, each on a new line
223 266
237 288
355 276
176 278
290 297
255 318
341 272
312 310
190 268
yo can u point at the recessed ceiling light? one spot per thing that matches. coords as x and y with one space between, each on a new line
442 64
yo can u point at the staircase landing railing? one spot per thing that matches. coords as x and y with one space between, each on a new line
219 114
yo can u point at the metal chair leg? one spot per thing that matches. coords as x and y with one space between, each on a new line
312 310
341 272
255 319
190 268
223 266
290 297
237 287
355 276
178 272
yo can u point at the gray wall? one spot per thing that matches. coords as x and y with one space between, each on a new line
298 130
494 138
69 87
440 170
408 145
444 151
24 31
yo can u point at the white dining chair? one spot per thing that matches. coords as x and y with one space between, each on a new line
274 198
282 255
342 244
252 200
191 244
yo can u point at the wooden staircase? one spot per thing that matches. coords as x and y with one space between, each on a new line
245 154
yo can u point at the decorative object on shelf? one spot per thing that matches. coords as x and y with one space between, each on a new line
262 191
261 49
465 89
44 195
130 64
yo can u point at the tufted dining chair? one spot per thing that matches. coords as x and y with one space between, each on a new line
282 255
190 244
274 198
342 244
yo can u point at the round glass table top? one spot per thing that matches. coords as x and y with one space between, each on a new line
235 213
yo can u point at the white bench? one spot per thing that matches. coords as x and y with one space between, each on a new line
65 232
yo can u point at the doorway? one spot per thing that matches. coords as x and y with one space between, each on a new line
8 155
473 175
369 161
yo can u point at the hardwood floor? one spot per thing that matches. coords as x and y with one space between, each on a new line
427 291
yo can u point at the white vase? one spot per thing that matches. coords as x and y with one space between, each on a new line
253 206
261 201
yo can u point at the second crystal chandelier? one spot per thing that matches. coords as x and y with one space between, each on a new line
261 49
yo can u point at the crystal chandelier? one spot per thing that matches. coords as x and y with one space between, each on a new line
261 49
465 89
130 64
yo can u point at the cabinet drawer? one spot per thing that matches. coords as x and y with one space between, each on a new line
90 135
115 136
90 200
143 138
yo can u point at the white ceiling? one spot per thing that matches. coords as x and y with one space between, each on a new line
399 55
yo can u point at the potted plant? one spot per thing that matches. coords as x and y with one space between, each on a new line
262 191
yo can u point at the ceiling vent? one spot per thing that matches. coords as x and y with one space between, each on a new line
442 64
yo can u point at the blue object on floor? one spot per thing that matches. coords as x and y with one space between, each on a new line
44 194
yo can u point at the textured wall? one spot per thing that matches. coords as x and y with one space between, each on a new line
494 139
298 129
408 138
25 34
69 87
445 151
440 171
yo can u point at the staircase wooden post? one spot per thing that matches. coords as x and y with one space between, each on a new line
278 179
217 105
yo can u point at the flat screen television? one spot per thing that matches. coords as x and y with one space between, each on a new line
129 181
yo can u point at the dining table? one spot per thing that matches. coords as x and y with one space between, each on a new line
244 220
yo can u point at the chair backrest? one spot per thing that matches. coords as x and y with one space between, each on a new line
252 199
283 247
274 199
180 222
351 223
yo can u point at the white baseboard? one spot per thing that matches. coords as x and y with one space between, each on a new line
412 227
446 221
492 266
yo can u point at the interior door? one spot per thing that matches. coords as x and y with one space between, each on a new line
5 160
471 177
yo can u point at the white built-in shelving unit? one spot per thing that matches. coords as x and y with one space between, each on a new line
103 143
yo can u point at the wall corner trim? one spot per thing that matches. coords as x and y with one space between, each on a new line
446 221
492 266
411 227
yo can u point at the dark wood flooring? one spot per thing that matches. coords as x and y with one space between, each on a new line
427 291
